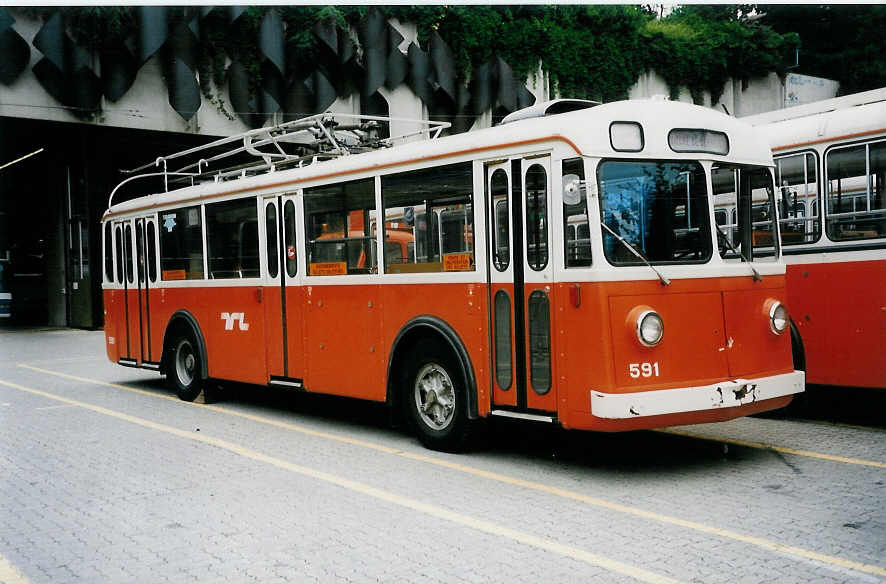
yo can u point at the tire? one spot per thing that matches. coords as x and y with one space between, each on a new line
184 366
435 399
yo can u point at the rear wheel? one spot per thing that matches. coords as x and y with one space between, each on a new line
184 367
436 400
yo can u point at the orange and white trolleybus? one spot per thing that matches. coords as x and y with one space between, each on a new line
563 266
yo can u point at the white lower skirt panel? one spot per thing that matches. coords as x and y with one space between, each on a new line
726 394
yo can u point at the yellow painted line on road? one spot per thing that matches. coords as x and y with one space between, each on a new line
370 491
72 360
9 574
595 501
773 447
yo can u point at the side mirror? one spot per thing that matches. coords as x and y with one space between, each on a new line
572 186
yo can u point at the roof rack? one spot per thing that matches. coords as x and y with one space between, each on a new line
289 144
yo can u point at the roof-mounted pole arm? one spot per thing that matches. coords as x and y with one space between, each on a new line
148 175
165 180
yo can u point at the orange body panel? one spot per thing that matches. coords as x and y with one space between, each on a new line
294 365
234 347
342 348
112 322
462 306
840 312
700 316
340 337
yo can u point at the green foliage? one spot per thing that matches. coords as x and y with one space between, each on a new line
842 41
590 51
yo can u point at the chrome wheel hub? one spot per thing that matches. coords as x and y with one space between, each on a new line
185 362
434 396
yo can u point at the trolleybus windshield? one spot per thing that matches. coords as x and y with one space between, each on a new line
659 208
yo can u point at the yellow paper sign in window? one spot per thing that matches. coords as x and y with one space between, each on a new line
457 262
328 269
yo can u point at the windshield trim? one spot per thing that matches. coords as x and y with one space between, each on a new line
706 241
771 253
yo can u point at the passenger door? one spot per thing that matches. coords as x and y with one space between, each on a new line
284 304
137 249
521 290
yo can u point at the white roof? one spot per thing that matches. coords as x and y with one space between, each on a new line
853 115
584 132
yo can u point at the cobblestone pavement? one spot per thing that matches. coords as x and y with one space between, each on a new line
106 477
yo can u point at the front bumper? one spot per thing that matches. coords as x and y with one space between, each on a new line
726 394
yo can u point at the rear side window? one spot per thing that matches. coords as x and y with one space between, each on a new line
181 244
232 237
338 226
432 210
856 190
109 254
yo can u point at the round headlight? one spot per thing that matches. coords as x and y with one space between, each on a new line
650 328
778 318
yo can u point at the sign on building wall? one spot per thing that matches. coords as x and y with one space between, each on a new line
803 89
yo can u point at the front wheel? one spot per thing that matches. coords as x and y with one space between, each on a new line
436 400
183 370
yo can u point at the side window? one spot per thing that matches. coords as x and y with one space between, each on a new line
140 249
120 252
432 210
338 220
109 253
289 238
856 206
152 251
501 245
577 233
748 191
232 238
181 244
536 217
127 252
271 235
797 181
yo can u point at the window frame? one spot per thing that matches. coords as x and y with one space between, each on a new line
370 249
203 243
542 229
709 214
819 181
825 204
435 218
578 160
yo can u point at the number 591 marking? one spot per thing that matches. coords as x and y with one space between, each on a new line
637 370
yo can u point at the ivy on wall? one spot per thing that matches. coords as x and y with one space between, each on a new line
468 58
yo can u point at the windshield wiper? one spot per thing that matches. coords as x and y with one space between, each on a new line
664 281
757 277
